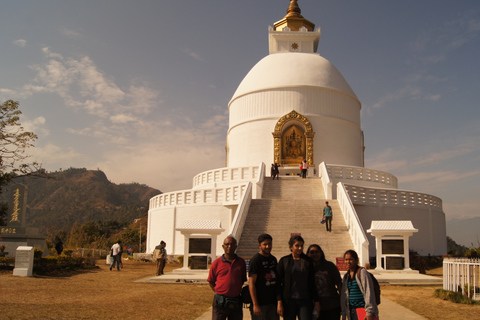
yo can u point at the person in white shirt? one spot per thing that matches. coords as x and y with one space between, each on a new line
116 253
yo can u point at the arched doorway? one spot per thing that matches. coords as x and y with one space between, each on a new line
293 140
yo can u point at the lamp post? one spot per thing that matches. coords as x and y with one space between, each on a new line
140 240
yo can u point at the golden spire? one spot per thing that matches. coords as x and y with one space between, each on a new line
294 10
294 20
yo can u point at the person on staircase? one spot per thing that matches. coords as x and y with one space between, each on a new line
276 171
304 168
328 216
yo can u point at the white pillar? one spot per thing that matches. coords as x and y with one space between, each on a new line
406 249
378 245
186 249
213 249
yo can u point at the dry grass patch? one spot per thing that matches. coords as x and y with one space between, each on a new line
100 293
421 300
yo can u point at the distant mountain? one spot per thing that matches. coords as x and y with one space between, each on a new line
465 232
81 195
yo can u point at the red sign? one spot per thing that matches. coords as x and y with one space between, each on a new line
341 264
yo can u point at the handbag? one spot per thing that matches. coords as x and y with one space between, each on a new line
322 221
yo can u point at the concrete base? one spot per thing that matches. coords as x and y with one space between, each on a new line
377 270
180 276
22 272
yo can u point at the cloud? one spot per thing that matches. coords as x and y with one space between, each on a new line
70 33
36 125
408 91
54 156
20 42
122 118
81 84
167 159
193 55
430 48
122 130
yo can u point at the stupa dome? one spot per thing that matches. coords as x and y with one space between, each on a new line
293 69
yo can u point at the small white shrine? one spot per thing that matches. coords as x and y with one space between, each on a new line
392 244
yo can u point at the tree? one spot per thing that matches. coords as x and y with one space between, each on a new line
14 141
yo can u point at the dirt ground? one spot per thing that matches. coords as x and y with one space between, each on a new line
100 293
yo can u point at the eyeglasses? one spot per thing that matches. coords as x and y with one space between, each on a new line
313 251
229 244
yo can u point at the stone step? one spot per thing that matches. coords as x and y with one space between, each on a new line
293 188
293 205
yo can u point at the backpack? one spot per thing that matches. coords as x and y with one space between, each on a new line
246 298
376 288
159 253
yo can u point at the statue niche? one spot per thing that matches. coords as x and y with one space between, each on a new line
293 140
293 145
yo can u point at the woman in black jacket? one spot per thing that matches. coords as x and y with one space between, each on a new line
297 294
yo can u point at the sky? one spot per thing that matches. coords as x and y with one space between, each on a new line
139 89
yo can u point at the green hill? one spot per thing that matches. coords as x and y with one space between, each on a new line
81 195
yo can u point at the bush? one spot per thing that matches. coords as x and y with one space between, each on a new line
7 263
61 264
456 297
37 253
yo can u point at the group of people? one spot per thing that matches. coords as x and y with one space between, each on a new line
274 171
299 285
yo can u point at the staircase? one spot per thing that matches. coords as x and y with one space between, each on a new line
293 205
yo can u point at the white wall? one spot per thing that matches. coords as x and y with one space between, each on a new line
431 235
335 119
164 221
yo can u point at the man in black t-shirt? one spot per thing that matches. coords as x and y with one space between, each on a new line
262 281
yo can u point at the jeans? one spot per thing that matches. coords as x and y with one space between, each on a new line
328 223
116 259
302 308
269 312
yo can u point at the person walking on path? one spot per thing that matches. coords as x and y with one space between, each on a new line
226 277
115 253
304 168
357 291
328 282
296 290
327 216
262 281
160 256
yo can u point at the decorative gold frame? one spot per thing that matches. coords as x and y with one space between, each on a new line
277 136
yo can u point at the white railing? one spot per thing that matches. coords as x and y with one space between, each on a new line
229 194
241 213
258 186
358 235
339 172
326 181
224 175
462 275
391 197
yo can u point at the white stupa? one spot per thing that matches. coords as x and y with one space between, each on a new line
293 105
